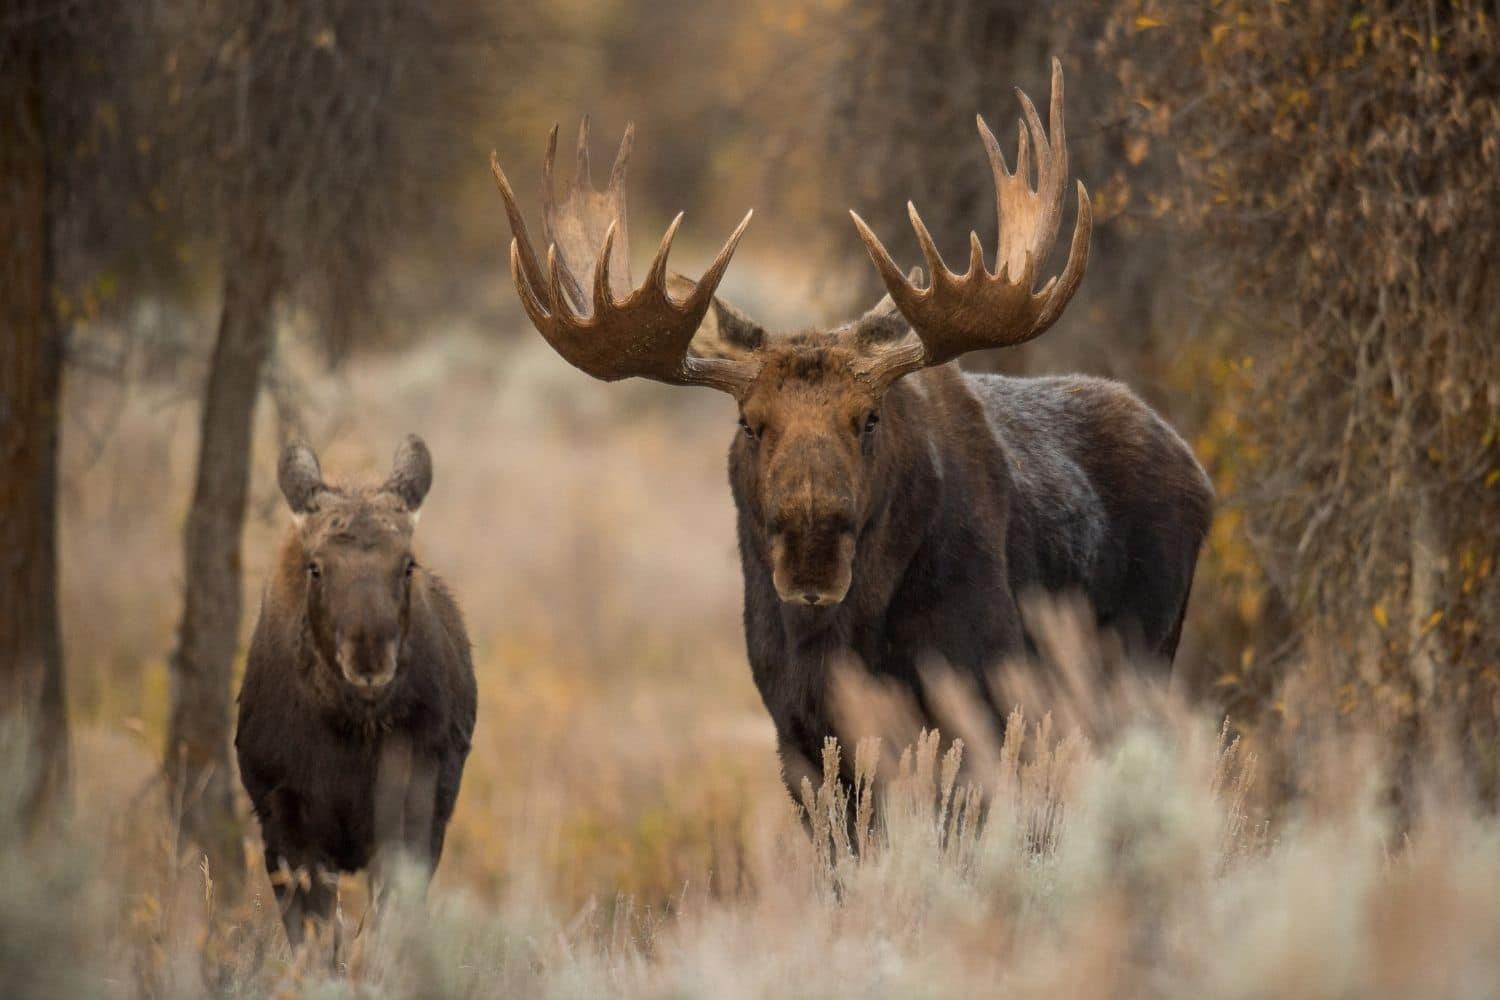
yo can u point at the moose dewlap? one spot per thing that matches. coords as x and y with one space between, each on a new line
893 509
358 704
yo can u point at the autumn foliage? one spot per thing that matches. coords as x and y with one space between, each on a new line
1337 167
1295 259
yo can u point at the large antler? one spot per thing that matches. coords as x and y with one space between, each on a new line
955 313
627 331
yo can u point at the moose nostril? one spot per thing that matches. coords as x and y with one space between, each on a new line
810 598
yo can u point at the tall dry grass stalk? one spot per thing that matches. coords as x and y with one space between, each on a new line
1137 858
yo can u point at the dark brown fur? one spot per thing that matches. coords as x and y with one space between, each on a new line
338 759
891 506
916 539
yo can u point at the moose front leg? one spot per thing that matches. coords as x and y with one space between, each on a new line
305 887
306 894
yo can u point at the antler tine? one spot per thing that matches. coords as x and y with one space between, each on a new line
556 270
656 274
1023 150
582 176
709 283
976 255
549 191
622 159
549 210
890 275
1052 159
929 248
1060 290
902 288
998 167
979 309
535 311
521 248
603 299
1032 125
618 330
1056 124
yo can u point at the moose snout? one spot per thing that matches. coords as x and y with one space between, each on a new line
812 568
368 660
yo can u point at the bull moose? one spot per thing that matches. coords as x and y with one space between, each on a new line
358 704
891 505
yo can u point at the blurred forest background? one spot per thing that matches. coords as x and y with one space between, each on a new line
230 222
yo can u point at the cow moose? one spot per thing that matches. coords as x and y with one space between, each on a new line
358 703
891 505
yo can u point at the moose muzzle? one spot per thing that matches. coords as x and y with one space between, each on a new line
368 660
813 565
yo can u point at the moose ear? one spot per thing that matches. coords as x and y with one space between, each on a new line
300 477
411 477
733 327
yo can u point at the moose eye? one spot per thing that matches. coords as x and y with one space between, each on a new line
411 567
745 426
870 422
314 570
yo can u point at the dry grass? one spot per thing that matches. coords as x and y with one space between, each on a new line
622 828
1139 866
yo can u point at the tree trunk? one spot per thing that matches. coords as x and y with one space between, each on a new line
199 769
31 678
1425 595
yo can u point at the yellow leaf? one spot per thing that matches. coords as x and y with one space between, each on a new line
1381 619
1492 478
1144 22
1432 621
